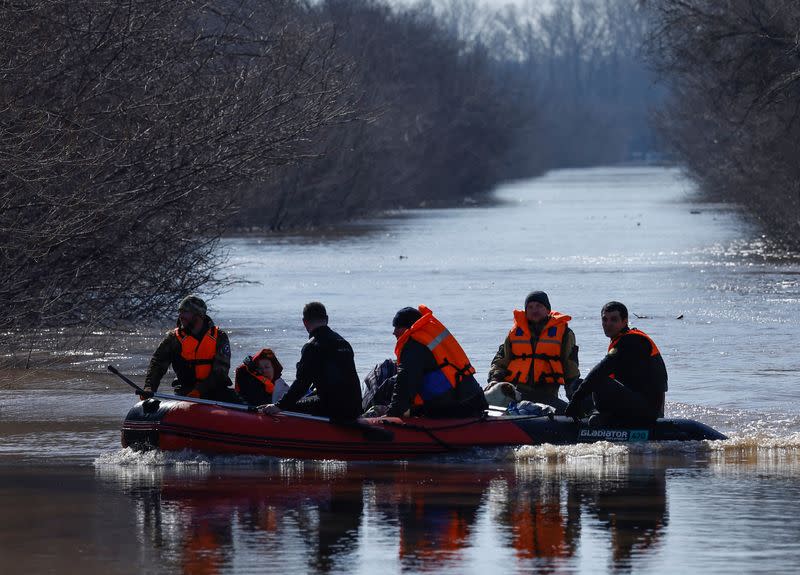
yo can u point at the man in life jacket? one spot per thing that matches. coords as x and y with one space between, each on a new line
258 379
434 376
199 353
630 382
327 363
539 354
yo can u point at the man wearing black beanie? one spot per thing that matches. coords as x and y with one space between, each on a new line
434 376
539 354
540 297
406 317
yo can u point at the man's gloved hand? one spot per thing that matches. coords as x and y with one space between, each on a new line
574 409
148 393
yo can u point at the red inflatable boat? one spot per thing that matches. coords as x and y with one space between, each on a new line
171 424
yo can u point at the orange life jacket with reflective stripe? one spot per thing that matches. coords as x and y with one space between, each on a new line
198 354
546 358
453 363
654 351
268 384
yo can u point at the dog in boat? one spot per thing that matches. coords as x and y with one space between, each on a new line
501 393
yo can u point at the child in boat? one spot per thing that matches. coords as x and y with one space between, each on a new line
258 379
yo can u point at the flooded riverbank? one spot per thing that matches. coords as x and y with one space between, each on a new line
724 315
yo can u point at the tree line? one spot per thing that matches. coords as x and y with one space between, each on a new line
732 119
135 133
126 129
455 97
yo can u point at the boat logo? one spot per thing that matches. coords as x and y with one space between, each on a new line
614 434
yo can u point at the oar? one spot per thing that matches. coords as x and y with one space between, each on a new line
170 397
371 432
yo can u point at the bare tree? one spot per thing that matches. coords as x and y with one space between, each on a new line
734 70
127 128
582 66
435 124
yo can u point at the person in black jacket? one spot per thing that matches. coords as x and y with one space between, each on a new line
419 374
630 382
327 364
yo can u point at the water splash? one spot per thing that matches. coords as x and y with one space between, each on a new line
560 453
187 459
738 422
128 457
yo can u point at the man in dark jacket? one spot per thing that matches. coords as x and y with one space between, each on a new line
630 382
418 370
199 353
327 363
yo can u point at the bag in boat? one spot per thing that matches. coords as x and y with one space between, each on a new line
525 407
378 385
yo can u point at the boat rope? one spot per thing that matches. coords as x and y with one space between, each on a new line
430 432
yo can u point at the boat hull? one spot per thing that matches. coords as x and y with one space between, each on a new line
172 425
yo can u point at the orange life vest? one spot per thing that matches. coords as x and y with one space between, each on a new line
199 354
453 363
268 384
653 347
546 358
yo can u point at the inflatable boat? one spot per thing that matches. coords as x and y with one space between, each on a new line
169 423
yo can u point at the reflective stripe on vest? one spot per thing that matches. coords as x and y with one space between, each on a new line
450 357
545 359
199 354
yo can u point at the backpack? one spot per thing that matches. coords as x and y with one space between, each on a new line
379 384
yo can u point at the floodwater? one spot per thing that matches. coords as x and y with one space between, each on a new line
721 308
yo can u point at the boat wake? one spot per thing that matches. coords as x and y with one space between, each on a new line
741 448
765 454
738 422
187 459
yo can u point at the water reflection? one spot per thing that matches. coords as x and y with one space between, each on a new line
202 523
396 518
542 519
435 514
633 510
544 516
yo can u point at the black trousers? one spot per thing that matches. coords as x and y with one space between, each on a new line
613 399
313 405
544 394
473 406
